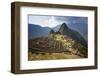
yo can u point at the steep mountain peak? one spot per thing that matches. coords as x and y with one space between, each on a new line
63 28
64 25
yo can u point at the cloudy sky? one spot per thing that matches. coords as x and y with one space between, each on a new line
52 21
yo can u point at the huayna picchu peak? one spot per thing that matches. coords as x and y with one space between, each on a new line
66 31
63 28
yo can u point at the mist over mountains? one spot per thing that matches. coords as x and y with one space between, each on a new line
39 31
35 31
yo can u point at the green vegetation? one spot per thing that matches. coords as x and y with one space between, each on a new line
50 56
56 46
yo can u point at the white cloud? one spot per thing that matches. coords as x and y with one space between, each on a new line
49 21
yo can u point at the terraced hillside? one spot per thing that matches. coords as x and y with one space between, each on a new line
62 44
55 46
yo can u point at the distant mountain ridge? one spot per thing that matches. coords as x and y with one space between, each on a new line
35 31
38 31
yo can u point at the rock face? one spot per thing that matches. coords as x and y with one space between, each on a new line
65 30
